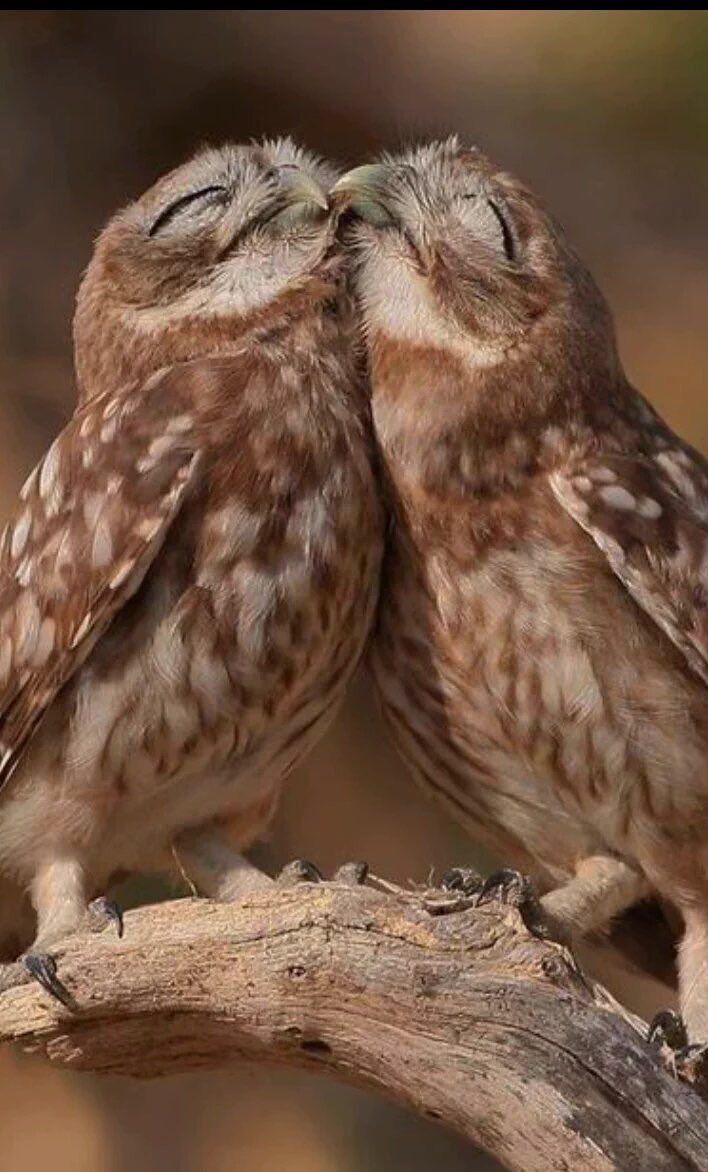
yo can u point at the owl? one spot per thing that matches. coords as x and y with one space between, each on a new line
541 650
190 573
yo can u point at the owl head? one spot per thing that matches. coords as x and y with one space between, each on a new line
453 254
236 239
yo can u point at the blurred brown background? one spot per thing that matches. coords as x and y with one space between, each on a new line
606 115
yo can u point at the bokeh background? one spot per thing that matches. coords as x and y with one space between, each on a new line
606 115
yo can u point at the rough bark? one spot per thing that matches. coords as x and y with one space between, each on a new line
464 1015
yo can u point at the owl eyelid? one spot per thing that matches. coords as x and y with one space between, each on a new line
507 236
184 201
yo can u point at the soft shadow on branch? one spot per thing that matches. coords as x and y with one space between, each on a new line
465 1016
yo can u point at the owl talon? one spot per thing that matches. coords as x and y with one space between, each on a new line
353 874
507 886
462 879
43 968
102 913
512 889
458 891
299 871
667 1031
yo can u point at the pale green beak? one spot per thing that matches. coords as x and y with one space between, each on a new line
301 197
366 191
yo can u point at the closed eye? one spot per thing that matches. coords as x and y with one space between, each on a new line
509 248
216 192
507 238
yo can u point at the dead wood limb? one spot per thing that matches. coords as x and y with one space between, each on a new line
465 1016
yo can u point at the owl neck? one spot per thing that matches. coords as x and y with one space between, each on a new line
116 345
447 430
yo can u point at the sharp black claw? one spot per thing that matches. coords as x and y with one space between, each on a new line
354 874
462 879
300 871
106 911
43 968
508 886
667 1029
515 890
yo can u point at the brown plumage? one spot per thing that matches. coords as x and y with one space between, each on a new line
542 645
190 573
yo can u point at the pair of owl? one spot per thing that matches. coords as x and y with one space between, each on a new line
280 373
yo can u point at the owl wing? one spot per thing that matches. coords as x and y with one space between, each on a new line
90 520
648 514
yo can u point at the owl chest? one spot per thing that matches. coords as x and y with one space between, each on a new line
206 695
492 666
276 611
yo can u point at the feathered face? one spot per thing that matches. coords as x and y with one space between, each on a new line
231 233
448 248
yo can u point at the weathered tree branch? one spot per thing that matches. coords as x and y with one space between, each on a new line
466 1017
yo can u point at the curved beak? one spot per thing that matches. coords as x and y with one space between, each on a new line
366 192
301 197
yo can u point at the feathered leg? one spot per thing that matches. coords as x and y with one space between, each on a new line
601 889
218 869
